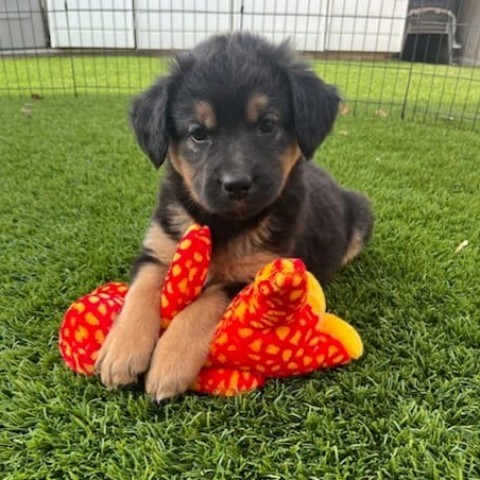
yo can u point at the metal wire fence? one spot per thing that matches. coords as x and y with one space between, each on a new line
416 59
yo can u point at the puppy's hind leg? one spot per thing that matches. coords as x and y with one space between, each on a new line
360 221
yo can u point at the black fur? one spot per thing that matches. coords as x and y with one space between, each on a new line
145 256
315 107
149 120
308 214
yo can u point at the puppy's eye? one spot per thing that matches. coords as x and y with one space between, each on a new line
199 134
267 125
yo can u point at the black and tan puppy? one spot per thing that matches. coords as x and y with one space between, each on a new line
237 120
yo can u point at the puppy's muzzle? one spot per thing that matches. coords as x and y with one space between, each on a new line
236 185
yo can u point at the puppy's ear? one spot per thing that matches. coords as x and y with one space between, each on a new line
315 107
149 120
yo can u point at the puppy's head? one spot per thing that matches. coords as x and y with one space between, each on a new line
233 117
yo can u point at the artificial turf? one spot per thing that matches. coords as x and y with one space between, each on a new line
75 199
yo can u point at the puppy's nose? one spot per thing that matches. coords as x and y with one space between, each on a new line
237 185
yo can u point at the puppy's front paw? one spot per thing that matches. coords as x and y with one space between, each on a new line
171 373
126 352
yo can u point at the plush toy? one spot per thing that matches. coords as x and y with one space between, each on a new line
86 324
275 327
89 319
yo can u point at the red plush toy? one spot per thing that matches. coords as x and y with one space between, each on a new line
275 327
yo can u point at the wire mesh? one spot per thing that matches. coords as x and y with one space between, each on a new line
416 59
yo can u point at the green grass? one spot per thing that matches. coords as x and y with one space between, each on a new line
428 91
75 199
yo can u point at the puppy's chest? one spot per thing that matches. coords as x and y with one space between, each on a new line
237 260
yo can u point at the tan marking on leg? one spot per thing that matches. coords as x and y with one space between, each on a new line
129 345
182 350
159 243
354 248
178 217
205 114
256 107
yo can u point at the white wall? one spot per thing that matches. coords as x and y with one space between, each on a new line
174 24
91 23
366 25
303 21
312 25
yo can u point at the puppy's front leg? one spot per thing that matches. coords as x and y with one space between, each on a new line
183 348
129 345
128 348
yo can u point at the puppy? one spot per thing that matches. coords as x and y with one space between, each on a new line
237 121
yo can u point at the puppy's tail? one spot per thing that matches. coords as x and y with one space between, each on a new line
359 221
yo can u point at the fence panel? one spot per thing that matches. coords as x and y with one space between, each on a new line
417 59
